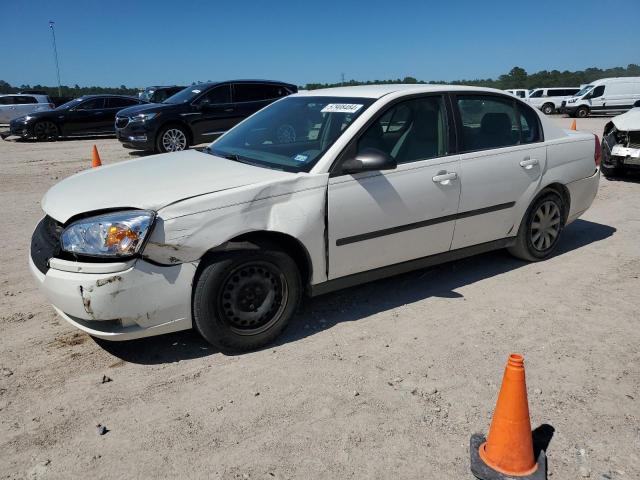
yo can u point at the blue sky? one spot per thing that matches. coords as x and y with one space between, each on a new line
139 43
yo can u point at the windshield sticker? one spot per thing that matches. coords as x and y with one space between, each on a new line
341 108
301 158
196 91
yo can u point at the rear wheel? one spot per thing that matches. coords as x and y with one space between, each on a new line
243 300
540 230
548 108
45 130
582 112
172 138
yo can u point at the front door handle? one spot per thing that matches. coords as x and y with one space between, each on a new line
529 163
444 177
229 110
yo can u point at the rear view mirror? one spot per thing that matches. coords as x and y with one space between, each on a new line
370 159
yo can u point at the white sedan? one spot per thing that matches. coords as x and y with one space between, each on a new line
319 191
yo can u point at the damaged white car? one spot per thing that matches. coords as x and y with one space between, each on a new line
319 191
621 143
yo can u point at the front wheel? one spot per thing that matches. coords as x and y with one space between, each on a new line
172 138
548 108
45 130
243 300
540 229
582 112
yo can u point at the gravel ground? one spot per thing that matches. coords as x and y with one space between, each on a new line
384 380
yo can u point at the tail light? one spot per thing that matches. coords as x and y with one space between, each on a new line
597 155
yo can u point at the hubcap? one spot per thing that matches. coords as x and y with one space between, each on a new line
253 297
45 130
174 140
545 226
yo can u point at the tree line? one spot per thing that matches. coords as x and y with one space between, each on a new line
516 78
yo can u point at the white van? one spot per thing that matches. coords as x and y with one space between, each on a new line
550 99
607 95
519 92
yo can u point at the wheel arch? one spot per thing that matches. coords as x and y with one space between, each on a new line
561 190
266 238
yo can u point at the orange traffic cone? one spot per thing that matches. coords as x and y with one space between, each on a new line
95 158
508 451
573 124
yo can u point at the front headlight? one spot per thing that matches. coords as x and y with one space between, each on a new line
119 234
143 117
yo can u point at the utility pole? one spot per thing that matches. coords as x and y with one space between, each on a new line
55 54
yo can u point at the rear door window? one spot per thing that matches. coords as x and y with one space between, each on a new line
25 100
488 122
8 100
121 102
251 92
529 125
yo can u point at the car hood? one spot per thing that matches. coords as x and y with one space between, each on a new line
628 122
151 183
145 107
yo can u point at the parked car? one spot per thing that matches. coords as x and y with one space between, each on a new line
608 95
87 115
16 105
550 99
519 92
196 114
158 94
375 182
621 143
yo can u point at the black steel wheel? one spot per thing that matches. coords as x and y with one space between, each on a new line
243 300
541 228
45 130
582 112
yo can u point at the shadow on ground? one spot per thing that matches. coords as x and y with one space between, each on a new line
321 313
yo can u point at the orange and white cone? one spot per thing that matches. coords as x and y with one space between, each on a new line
95 158
508 450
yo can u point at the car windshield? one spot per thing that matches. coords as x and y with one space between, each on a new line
69 104
583 91
291 134
186 95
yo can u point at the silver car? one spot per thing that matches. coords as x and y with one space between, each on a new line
19 104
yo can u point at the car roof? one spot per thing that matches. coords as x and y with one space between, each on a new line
239 80
378 91
96 95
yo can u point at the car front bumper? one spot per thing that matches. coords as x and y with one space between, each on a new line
136 135
119 301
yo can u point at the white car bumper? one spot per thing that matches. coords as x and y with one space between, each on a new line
582 193
120 301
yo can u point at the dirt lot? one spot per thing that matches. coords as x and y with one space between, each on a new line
387 380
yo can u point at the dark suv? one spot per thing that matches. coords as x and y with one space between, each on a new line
197 114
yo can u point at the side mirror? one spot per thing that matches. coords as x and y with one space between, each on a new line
370 159
637 104
204 105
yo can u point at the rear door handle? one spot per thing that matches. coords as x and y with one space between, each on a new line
529 163
445 177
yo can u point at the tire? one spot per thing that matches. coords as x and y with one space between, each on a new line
608 169
172 138
548 108
538 243
45 130
224 311
582 112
